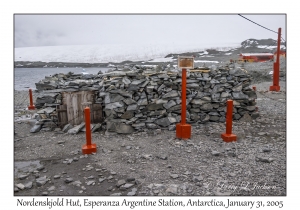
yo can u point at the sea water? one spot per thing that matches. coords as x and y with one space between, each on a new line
25 78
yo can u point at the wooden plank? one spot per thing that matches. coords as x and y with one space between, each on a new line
199 70
62 115
97 113
76 102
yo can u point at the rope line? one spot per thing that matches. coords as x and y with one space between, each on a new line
259 25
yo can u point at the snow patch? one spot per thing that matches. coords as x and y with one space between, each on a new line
204 61
162 60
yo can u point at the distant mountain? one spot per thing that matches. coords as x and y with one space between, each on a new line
261 45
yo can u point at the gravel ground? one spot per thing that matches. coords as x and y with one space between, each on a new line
154 162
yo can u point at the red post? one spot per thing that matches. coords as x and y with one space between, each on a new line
183 130
31 106
254 88
183 97
88 148
228 136
276 68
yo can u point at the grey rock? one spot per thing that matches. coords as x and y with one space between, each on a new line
264 159
68 180
126 81
169 104
130 179
132 193
206 107
112 98
47 110
128 115
142 102
152 107
218 192
132 107
174 176
170 94
41 181
122 93
41 167
42 86
151 126
225 95
102 180
237 88
20 186
161 101
197 178
23 176
250 108
76 129
113 105
126 186
172 127
52 188
129 101
96 127
192 85
116 194
172 189
199 101
236 116
35 128
255 115
246 118
266 149
175 108
214 118
137 82
123 128
56 176
215 153
67 128
92 182
239 95
164 122
44 193
28 185
120 183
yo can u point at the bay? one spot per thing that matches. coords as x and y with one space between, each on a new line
25 78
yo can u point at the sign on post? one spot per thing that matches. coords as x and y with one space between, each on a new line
185 62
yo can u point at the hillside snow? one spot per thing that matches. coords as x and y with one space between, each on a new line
105 53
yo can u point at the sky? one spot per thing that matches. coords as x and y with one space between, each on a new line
31 30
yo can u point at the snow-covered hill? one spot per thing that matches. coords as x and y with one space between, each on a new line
107 53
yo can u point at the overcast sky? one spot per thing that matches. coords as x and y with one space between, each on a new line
53 30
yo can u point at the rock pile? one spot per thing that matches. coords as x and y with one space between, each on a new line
142 97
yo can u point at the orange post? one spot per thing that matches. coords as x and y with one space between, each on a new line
88 148
31 106
275 86
228 136
183 130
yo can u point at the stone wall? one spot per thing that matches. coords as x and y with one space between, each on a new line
140 97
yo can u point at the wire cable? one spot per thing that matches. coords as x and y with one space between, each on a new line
259 25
